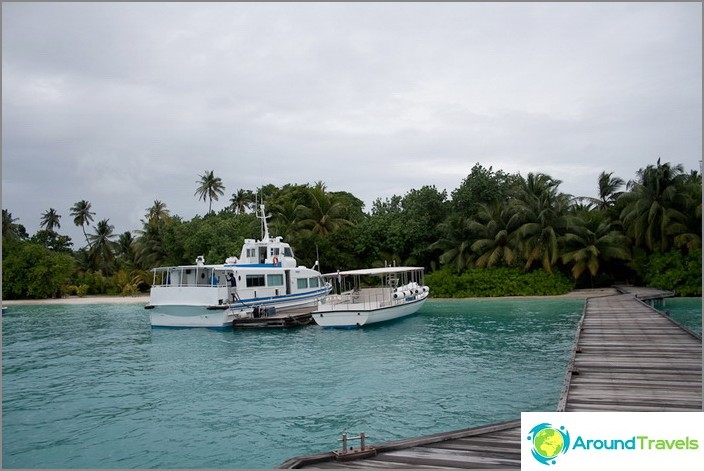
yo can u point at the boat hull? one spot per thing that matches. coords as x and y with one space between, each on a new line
192 316
219 316
351 316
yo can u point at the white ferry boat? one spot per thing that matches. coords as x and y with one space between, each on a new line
398 292
264 279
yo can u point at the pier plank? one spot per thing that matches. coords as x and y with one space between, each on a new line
627 356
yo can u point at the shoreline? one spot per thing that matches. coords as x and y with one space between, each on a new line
144 299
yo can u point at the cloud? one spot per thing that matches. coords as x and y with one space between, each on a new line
126 103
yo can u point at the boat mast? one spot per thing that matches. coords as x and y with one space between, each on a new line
263 217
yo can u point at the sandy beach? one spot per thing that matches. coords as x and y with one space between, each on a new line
144 299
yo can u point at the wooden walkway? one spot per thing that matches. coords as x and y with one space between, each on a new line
491 446
627 356
631 357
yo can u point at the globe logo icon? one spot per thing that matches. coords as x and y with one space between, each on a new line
548 442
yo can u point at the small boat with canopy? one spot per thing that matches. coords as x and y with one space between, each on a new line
372 295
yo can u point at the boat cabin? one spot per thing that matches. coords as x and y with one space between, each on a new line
270 251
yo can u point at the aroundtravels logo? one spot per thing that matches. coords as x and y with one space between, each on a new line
609 440
548 442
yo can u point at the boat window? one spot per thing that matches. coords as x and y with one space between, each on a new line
288 252
255 280
275 251
275 280
302 283
314 283
251 253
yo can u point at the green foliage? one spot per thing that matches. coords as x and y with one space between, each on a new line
494 282
482 186
673 271
34 272
493 225
215 236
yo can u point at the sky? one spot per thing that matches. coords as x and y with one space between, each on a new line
122 104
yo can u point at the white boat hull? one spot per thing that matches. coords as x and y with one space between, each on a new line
191 316
165 314
351 315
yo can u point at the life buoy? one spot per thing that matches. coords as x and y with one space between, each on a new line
276 260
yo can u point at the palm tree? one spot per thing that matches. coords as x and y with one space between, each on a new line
82 216
126 248
10 230
456 242
149 246
324 215
691 238
50 220
210 188
496 242
591 243
608 191
285 219
541 215
242 200
652 216
157 214
102 251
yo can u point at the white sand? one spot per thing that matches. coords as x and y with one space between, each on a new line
144 299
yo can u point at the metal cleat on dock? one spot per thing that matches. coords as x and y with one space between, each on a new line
352 453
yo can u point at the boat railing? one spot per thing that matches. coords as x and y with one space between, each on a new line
365 299
168 284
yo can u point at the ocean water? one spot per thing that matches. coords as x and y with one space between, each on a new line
685 311
94 386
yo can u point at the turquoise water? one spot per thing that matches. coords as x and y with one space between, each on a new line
685 311
96 387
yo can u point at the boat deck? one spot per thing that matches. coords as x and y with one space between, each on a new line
627 356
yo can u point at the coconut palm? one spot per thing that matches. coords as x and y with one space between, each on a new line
149 246
82 216
50 220
323 215
285 220
456 242
10 230
157 214
102 251
541 216
691 238
210 188
609 187
242 200
653 212
496 241
126 249
591 243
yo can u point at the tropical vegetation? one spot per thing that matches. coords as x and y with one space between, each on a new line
497 234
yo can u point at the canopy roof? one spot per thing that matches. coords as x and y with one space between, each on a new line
373 271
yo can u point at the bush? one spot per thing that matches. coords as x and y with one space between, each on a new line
30 271
495 282
674 271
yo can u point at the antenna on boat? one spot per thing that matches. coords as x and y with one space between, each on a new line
316 265
263 217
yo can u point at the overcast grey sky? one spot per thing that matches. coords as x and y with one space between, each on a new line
122 104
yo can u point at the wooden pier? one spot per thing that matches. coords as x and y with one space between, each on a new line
630 357
286 318
627 356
